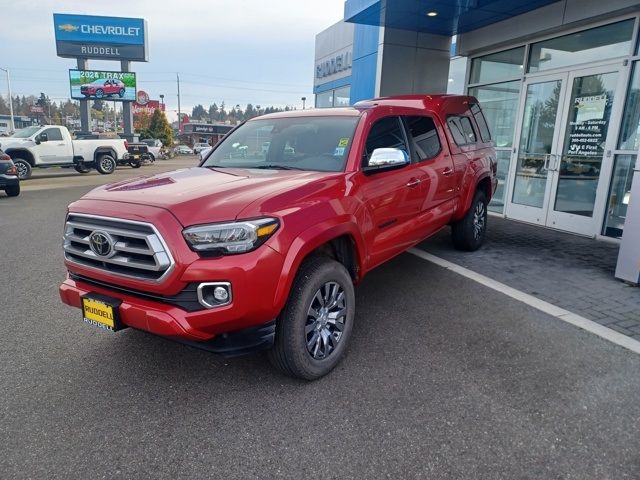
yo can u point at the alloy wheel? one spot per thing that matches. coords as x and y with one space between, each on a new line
326 318
479 220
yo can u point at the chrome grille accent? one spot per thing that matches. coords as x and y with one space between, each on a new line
138 250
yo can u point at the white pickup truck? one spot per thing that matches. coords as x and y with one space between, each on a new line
52 146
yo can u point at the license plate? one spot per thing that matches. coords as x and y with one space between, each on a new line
136 157
101 312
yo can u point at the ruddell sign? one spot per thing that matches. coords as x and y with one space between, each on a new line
106 38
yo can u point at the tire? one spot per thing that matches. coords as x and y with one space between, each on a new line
135 164
99 93
296 327
121 93
106 164
152 158
469 233
13 191
23 167
81 168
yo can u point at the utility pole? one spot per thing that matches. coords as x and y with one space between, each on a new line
179 113
12 125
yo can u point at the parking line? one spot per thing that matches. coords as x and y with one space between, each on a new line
546 307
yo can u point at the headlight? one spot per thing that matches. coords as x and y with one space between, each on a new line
229 238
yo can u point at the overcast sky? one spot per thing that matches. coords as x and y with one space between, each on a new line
236 51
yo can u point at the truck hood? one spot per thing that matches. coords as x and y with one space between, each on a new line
10 142
203 195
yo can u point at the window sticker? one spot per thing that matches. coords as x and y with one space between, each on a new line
343 142
338 152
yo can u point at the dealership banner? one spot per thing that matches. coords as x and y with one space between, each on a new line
90 36
103 85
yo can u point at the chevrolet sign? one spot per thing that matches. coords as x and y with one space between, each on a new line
107 38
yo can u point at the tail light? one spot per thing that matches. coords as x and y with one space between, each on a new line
5 157
126 145
12 170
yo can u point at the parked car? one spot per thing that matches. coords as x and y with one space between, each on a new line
183 150
198 147
9 181
103 87
138 153
252 252
52 146
155 147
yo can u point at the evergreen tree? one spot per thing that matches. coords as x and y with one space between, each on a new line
198 112
213 112
159 127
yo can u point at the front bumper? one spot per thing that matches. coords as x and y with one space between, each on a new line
9 181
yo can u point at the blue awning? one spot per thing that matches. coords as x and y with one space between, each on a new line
451 16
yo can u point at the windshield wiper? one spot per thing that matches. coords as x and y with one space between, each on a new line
276 167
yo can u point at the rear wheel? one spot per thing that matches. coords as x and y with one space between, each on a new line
23 167
81 168
469 233
13 191
135 164
313 330
106 164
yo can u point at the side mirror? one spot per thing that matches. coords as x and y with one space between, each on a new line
386 159
42 138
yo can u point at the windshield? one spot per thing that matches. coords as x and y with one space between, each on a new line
301 143
25 132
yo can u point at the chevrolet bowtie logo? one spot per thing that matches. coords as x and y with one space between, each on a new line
67 27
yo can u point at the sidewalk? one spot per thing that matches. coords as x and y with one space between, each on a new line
571 272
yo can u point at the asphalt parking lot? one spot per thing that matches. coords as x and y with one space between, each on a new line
444 378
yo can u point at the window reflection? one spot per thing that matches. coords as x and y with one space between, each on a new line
630 136
619 195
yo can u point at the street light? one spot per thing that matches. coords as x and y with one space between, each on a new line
161 101
12 126
304 99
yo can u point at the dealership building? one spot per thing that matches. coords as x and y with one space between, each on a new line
559 82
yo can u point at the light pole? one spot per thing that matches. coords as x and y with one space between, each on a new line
304 99
162 102
12 126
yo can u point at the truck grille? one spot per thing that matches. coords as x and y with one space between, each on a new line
121 247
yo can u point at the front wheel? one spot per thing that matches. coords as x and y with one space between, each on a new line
99 93
469 233
106 164
23 167
121 93
13 191
313 330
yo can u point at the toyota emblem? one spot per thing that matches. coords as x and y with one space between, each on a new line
101 243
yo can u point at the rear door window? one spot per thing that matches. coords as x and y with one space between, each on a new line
424 136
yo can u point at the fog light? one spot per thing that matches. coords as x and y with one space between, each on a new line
214 294
221 294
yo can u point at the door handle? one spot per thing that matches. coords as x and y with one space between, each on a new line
414 182
447 172
547 157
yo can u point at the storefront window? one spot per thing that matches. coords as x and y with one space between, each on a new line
324 99
499 103
630 136
342 96
619 195
498 66
504 161
592 45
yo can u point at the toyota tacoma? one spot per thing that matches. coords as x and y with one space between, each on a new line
259 248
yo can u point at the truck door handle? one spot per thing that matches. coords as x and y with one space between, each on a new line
414 182
447 172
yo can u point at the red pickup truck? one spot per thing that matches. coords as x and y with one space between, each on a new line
260 248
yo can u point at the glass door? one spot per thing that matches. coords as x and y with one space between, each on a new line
563 141
585 141
538 134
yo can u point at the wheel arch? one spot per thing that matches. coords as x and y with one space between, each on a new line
21 153
342 242
100 151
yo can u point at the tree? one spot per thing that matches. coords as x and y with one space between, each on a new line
250 112
198 112
223 113
159 127
213 112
